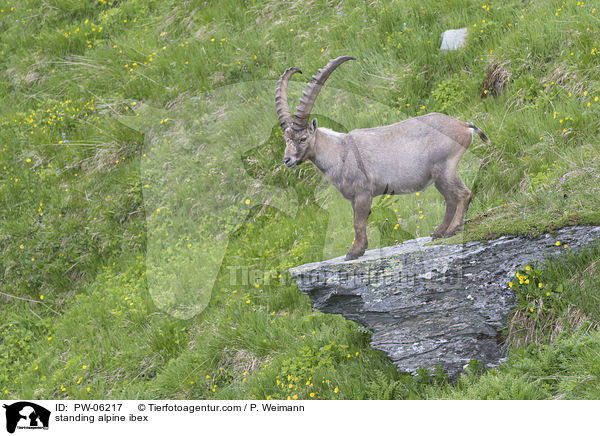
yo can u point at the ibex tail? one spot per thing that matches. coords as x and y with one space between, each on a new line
482 135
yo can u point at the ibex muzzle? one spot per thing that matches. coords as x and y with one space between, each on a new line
401 158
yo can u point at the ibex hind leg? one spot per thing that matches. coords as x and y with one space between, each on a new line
451 203
457 197
461 211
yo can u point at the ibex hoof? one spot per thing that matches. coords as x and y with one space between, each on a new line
352 256
435 235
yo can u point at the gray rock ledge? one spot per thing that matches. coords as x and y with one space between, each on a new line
430 305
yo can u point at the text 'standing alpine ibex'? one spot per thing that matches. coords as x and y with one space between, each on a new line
401 158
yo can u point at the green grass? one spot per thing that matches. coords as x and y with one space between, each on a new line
117 260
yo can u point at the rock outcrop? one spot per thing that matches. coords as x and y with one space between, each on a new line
430 305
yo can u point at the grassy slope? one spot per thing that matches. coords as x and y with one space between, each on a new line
77 320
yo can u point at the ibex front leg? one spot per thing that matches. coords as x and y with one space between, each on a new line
362 209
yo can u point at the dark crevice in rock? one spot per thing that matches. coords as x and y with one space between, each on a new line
430 305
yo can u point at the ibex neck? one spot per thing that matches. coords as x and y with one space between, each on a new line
327 152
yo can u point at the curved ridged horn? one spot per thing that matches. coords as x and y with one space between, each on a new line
311 92
281 104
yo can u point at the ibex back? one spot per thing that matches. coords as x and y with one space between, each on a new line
401 158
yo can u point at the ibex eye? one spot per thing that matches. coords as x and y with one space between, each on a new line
303 139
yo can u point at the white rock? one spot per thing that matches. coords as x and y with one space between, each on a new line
454 38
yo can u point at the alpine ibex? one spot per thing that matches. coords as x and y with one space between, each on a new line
401 158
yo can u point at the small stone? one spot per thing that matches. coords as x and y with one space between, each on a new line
453 39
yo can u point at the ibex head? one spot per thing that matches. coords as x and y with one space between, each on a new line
299 134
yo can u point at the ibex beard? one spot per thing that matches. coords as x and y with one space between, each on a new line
401 158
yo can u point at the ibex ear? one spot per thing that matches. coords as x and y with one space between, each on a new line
313 125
